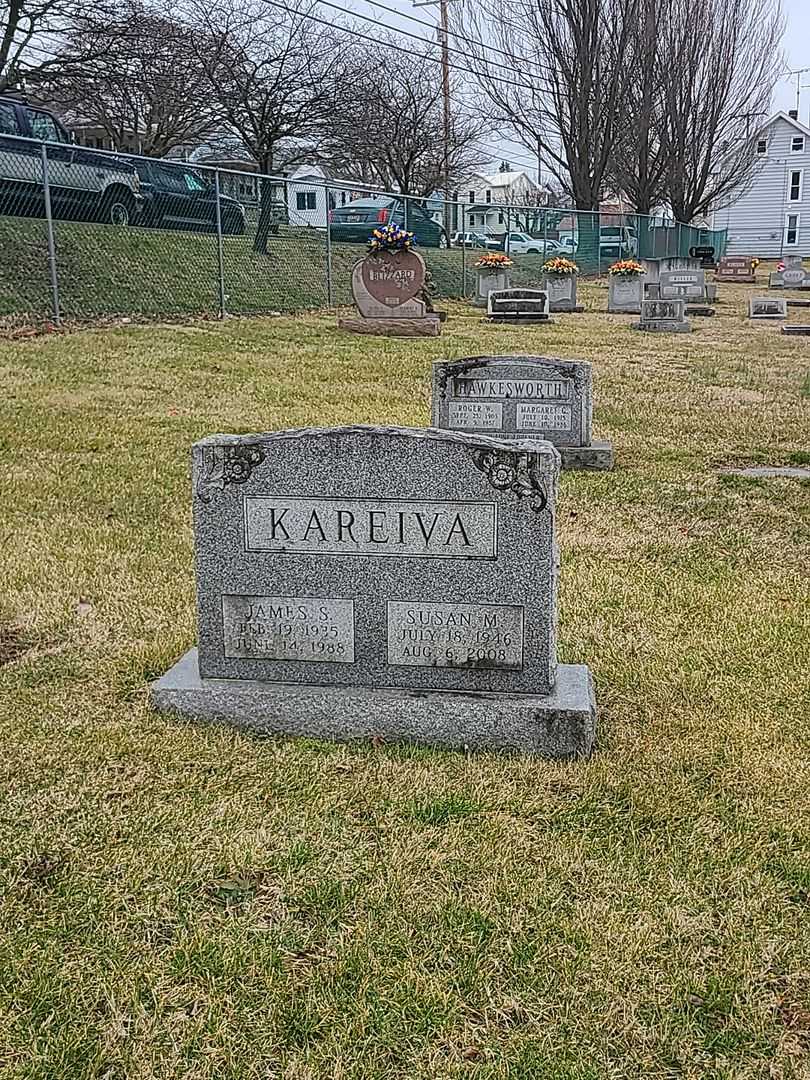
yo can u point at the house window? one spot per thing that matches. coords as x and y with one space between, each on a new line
489 196
472 219
796 185
797 145
305 200
791 230
472 196
500 219
762 146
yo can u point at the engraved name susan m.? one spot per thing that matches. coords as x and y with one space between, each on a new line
395 527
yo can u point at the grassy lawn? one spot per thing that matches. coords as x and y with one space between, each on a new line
186 901
135 272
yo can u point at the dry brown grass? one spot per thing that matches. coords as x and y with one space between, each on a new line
180 901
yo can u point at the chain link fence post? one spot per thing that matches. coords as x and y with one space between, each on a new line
220 254
329 288
52 270
545 234
463 224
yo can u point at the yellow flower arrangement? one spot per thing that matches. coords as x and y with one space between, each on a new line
494 260
560 266
626 268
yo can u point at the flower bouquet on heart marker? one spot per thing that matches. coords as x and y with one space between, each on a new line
560 266
626 268
389 239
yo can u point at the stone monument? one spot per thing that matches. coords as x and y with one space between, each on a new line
682 285
518 306
369 582
736 268
522 397
490 279
767 307
562 292
664 316
388 290
626 291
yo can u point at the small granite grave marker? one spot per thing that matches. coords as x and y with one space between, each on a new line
775 280
794 277
767 307
380 582
562 292
520 397
736 268
518 306
664 316
625 293
682 285
796 330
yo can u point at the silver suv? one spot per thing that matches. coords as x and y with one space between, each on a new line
89 185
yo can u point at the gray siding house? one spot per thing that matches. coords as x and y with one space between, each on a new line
772 216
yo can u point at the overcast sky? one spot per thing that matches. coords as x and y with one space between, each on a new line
797 50
796 46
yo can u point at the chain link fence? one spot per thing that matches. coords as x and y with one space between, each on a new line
91 235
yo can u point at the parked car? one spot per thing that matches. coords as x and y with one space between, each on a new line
475 240
520 243
354 222
617 242
177 196
84 184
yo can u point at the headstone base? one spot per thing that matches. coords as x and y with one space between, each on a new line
557 725
664 326
598 457
700 309
516 319
798 303
797 330
430 326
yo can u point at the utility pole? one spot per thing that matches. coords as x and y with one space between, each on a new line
444 41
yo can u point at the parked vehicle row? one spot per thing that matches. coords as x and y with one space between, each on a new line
95 185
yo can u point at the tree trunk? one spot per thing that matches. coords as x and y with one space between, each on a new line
267 219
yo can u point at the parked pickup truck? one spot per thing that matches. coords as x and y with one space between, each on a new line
89 185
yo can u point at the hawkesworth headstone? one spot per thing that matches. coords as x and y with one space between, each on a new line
380 582
767 307
389 292
522 397
664 316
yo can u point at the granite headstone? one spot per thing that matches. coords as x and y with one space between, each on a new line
388 290
522 397
736 268
682 285
664 316
625 293
518 306
767 307
562 292
395 583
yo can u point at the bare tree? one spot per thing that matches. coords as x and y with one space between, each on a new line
558 82
145 80
391 134
639 160
32 33
723 60
276 76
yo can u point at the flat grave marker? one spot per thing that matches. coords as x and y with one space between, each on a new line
767 307
518 306
664 316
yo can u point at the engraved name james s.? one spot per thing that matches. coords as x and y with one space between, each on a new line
544 389
394 527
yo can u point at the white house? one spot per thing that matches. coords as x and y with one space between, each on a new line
772 216
485 198
307 195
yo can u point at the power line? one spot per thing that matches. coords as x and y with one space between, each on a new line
456 34
415 37
374 41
